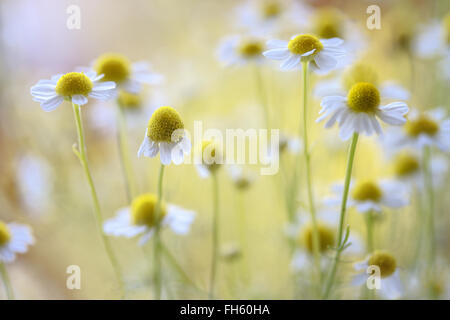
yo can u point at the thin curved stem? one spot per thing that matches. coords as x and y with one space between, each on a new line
215 236
369 224
130 181
81 154
340 245
430 197
262 95
157 283
306 153
7 282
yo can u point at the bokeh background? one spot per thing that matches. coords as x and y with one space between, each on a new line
42 182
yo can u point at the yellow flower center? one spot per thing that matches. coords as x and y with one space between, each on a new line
328 23
421 125
447 27
363 97
129 100
359 73
251 49
405 164
73 83
143 210
385 261
210 155
114 67
367 191
163 124
5 235
304 43
326 237
271 9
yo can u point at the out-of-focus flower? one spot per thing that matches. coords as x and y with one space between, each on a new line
360 72
242 179
165 134
211 158
434 40
130 101
139 218
73 86
429 128
128 76
241 50
231 252
390 283
323 54
358 112
370 195
14 238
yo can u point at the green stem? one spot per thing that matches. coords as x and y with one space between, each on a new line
431 211
369 223
215 235
348 175
130 182
7 282
312 207
262 95
157 284
81 154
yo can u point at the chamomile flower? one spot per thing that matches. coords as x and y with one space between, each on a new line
430 128
128 76
360 72
434 39
14 238
165 134
390 283
358 112
242 179
372 195
209 156
76 87
323 54
241 50
140 219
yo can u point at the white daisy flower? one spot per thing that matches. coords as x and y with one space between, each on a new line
434 39
430 128
128 76
408 169
369 195
14 238
139 219
240 50
76 87
358 112
301 232
360 72
323 54
165 134
208 158
390 283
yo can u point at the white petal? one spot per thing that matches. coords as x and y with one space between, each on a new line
332 42
290 63
79 99
325 62
272 44
391 117
52 104
179 219
359 279
394 91
165 153
277 54
101 86
148 148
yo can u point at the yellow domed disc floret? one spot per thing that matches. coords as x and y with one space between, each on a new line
359 73
163 124
129 100
385 261
364 97
271 9
5 234
143 210
367 190
326 237
406 164
304 43
210 155
251 49
115 67
73 83
328 23
421 125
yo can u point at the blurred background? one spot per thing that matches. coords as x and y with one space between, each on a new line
42 182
